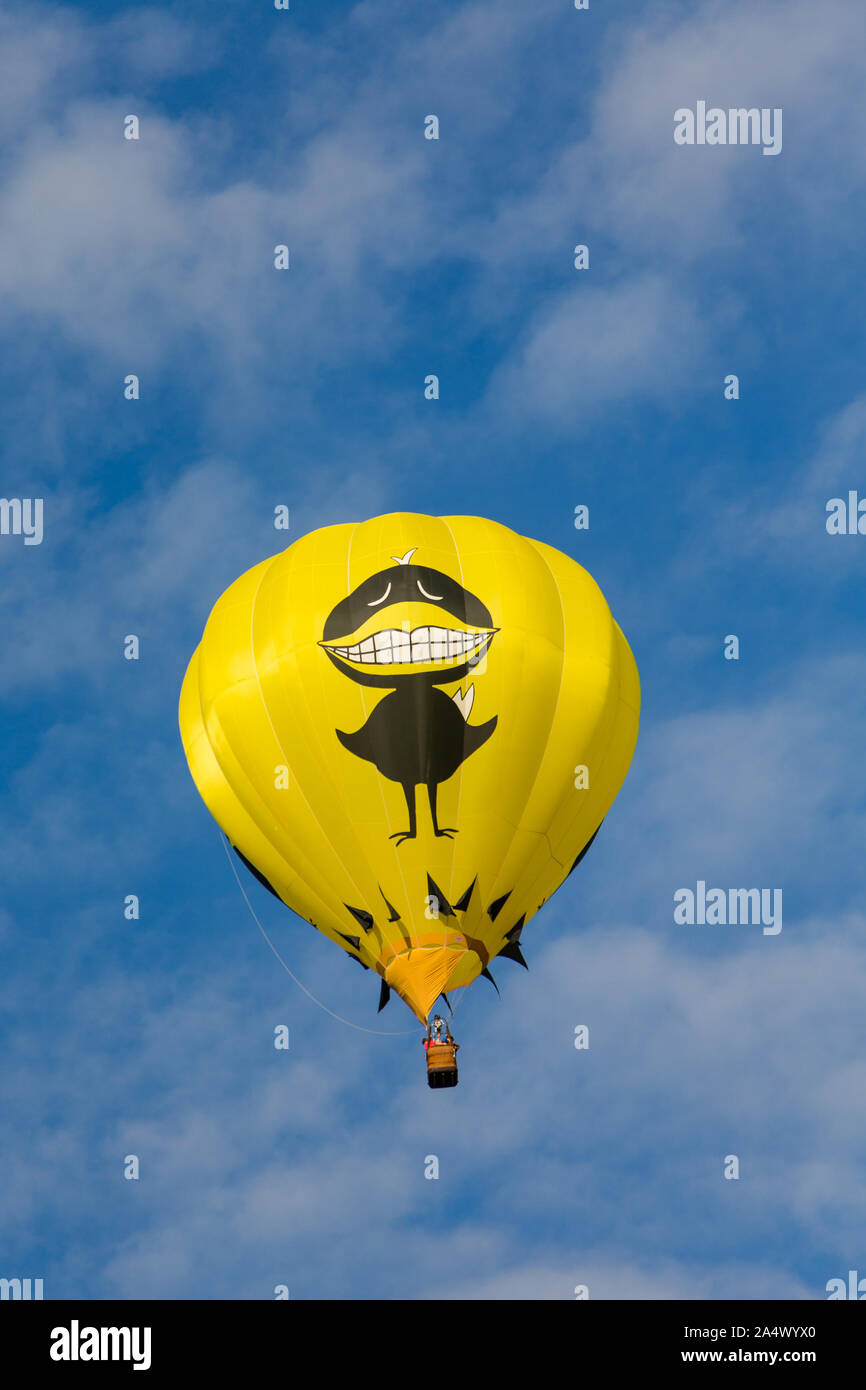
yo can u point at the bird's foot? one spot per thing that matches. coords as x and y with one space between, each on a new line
450 831
401 835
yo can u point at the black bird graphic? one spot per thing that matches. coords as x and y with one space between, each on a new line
417 735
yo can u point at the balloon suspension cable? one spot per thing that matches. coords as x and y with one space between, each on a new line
378 1032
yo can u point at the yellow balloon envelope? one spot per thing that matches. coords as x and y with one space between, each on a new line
411 729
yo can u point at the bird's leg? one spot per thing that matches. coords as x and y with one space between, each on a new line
431 793
401 835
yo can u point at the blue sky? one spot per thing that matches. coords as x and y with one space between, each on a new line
558 387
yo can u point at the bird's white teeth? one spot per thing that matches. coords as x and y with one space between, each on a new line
421 644
397 647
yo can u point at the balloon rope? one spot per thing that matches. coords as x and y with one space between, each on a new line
379 1033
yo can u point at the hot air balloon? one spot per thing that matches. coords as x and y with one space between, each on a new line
410 729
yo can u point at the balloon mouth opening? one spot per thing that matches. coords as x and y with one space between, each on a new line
418 650
420 974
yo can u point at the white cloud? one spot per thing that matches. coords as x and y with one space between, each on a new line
669 217
603 1279
626 179
593 346
557 1167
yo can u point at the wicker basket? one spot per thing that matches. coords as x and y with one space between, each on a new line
442 1064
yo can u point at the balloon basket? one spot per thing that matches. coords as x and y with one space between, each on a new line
442 1065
